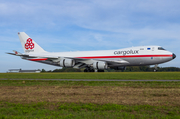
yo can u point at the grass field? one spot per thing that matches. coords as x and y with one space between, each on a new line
92 99
48 110
81 99
105 75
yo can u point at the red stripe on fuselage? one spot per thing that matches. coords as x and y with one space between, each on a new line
126 56
41 59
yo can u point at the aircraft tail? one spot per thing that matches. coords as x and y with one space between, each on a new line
29 45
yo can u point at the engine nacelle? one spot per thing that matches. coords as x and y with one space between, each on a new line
100 65
67 63
118 68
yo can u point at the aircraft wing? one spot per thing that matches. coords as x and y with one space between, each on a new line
119 61
80 62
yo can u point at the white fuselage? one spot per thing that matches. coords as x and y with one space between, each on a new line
136 56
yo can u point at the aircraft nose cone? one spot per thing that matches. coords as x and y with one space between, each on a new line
174 56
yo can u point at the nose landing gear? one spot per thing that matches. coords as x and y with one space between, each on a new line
156 68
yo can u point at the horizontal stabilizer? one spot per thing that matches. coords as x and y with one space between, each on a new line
17 53
10 53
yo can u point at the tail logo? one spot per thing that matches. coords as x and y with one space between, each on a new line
29 44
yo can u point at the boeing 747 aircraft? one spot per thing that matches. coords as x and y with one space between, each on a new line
94 60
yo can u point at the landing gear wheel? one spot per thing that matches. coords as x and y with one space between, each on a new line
92 70
88 70
100 70
85 70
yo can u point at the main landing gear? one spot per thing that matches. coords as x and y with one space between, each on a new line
100 70
89 69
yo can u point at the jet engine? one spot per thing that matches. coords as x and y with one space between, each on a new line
100 65
67 62
118 68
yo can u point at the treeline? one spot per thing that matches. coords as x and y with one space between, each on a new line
64 70
128 69
150 69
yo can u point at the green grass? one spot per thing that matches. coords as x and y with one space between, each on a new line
49 110
153 84
86 111
105 75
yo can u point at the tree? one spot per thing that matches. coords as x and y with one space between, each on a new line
43 70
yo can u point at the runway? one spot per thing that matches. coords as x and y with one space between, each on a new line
133 80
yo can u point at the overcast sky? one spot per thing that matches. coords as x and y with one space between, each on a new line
78 25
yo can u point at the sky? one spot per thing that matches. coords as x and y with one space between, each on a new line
84 25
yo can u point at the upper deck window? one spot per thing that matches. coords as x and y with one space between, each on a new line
161 48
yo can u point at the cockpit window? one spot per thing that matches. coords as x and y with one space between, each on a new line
161 48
